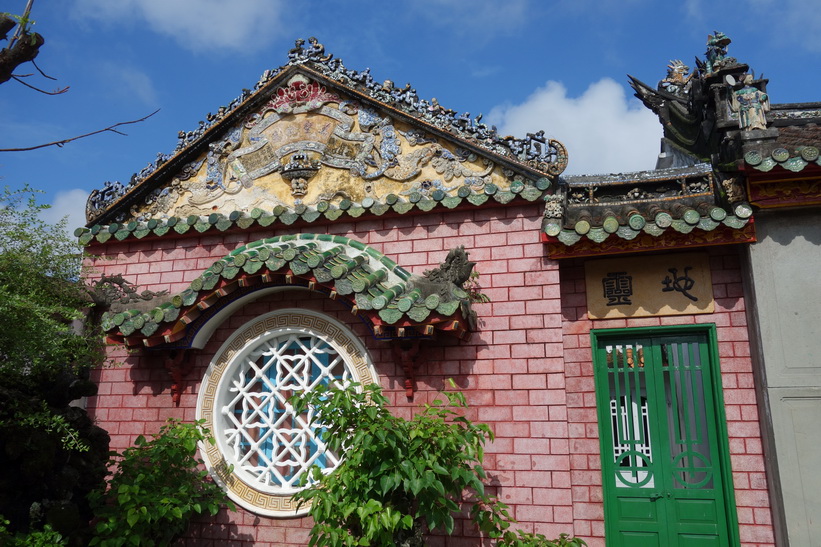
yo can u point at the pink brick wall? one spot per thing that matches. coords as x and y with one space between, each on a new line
511 371
527 372
746 456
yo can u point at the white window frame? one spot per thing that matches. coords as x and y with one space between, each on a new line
245 485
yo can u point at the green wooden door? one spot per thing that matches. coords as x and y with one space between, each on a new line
663 461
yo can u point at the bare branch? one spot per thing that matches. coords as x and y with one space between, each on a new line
43 73
111 128
55 92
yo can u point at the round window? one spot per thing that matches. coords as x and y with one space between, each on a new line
264 450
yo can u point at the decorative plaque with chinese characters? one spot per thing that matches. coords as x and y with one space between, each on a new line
644 286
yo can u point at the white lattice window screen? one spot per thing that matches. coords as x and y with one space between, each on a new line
638 414
272 445
630 416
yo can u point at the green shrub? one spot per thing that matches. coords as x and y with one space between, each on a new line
400 478
47 537
156 489
524 539
51 453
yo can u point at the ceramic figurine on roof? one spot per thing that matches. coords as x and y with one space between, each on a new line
717 53
716 123
314 52
726 118
455 269
692 107
678 79
751 104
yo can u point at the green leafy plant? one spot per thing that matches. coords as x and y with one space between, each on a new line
525 539
47 537
54 423
51 453
156 489
41 293
399 478
474 289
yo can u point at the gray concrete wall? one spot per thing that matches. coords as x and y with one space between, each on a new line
785 271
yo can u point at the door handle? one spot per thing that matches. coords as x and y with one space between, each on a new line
656 496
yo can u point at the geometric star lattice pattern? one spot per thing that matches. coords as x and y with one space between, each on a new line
273 446
263 448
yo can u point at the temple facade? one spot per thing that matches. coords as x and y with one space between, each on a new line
630 339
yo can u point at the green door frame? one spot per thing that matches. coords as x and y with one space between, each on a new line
723 447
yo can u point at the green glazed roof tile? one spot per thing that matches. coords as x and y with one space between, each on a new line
477 199
597 234
418 313
246 222
708 224
628 233
569 237
448 308
676 200
370 279
426 204
161 230
652 229
402 207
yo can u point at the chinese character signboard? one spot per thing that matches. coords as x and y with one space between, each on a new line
644 286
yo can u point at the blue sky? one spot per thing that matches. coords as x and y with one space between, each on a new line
526 64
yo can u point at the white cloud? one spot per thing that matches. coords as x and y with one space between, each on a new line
211 25
797 21
466 17
71 204
129 82
603 131
787 23
694 10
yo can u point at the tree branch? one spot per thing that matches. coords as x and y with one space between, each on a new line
111 128
23 45
6 24
22 24
55 92
23 51
41 71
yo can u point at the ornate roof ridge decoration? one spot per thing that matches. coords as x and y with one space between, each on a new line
790 113
639 210
396 303
638 176
535 151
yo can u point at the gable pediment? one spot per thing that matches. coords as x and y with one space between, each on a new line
317 139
